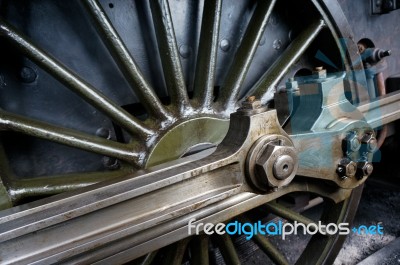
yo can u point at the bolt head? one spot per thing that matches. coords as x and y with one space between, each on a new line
283 167
353 144
351 169
364 169
225 45
368 168
251 105
370 142
276 164
185 51
320 72
104 133
110 162
347 168
27 74
292 84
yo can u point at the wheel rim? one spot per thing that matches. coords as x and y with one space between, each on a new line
149 137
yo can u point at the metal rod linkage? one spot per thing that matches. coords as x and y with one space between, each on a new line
125 61
382 110
75 83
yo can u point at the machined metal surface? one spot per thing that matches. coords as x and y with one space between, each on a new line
186 70
200 187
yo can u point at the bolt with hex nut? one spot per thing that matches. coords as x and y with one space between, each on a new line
346 168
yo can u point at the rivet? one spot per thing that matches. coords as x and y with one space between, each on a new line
225 45
27 74
277 44
185 51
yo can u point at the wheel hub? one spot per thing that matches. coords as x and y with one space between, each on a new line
182 138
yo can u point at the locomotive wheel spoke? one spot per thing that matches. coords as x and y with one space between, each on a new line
66 136
200 250
207 54
73 82
125 61
262 89
51 185
287 213
169 54
245 53
228 250
268 248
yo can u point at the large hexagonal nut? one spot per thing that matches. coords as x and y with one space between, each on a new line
369 142
277 165
347 168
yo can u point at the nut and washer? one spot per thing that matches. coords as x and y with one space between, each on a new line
272 162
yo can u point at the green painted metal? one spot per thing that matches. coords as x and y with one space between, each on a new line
20 189
148 259
169 54
184 134
207 53
5 200
177 141
200 250
280 67
175 252
68 137
125 61
266 246
245 53
324 245
73 82
287 213
228 250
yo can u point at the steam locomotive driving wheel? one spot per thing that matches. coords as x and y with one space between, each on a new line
145 115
